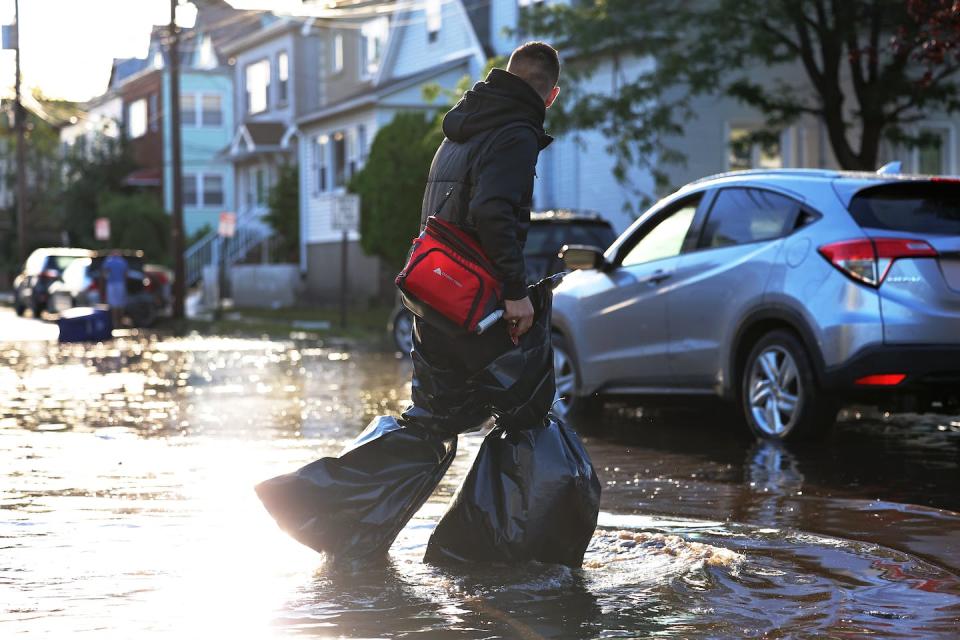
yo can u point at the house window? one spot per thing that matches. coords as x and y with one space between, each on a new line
434 13
744 153
362 143
188 109
137 118
373 41
283 76
320 163
212 110
932 159
191 198
258 86
339 159
212 190
338 53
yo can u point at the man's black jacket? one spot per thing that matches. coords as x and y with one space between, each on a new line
493 137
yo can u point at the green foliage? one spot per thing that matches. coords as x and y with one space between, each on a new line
137 221
860 72
95 170
284 214
391 184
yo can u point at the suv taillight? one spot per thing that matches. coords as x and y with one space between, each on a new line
869 260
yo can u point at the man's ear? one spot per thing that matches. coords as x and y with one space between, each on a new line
553 96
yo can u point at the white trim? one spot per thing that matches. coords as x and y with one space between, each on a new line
242 135
288 135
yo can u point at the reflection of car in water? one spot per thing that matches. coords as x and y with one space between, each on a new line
549 231
786 292
82 285
42 269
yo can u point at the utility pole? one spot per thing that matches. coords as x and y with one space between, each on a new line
179 270
20 125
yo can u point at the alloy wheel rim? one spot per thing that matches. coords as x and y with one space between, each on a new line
565 382
775 392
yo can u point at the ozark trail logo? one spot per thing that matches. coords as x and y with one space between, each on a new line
449 277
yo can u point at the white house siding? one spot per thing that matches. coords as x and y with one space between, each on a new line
268 50
317 213
414 52
576 171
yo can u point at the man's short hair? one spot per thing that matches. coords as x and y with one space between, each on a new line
538 63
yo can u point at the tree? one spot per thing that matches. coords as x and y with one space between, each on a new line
390 185
284 214
860 72
137 221
95 168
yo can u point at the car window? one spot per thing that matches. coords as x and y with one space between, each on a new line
595 235
665 239
61 262
741 216
913 207
541 239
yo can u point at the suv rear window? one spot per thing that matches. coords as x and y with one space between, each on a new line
914 207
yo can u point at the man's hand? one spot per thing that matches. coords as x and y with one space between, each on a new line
519 317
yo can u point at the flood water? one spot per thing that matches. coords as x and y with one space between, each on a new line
127 510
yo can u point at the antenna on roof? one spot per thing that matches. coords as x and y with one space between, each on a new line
890 168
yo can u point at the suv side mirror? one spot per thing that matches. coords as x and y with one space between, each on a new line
582 256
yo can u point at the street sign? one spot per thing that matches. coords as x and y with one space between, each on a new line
228 224
346 212
101 229
9 36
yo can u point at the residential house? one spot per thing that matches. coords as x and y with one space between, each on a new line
206 114
369 67
138 97
274 83
576 171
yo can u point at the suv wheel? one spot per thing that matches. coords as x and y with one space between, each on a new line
401 328
778 391
567 404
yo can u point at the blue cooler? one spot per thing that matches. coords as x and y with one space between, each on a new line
85 324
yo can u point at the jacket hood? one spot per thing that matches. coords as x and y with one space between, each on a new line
500 99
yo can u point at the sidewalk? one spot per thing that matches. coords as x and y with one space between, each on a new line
6 297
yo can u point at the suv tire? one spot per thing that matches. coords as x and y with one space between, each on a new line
779 396
568 404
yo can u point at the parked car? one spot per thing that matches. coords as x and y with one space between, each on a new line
786 292
42 269
548 232
81 285
160 284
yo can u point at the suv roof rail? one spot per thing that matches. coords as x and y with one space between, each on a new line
891 168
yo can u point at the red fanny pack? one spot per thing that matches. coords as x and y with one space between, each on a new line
448 281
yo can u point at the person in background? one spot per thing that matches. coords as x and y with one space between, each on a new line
115 276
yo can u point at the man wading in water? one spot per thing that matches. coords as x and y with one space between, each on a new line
493 138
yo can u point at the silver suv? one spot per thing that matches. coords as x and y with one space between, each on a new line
786 292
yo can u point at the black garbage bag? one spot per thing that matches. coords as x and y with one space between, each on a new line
532 494
353 506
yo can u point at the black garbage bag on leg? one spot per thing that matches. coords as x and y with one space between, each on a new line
532 493
352 507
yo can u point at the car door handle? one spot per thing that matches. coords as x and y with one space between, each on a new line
656 277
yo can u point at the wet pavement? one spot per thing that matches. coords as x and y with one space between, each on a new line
127 510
